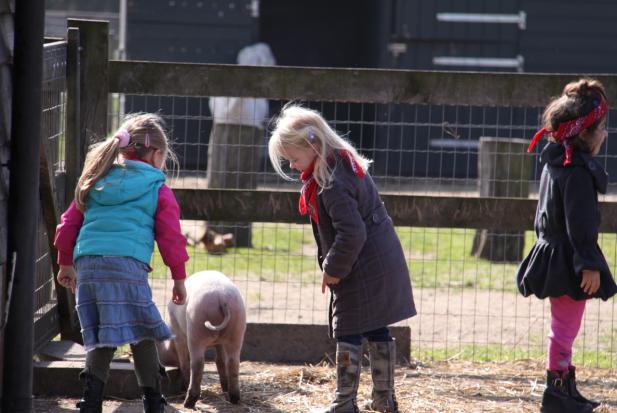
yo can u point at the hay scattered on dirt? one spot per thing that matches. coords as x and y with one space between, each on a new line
448 387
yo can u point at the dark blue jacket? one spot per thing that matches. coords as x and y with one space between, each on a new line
357 243
566 224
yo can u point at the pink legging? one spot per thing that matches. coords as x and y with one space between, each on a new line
566 317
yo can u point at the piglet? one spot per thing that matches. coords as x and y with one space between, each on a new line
213 315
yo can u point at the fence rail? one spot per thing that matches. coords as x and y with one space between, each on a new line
418 127
343 85
405 210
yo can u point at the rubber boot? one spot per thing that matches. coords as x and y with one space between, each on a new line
557 398
92 399
348 367
382 355
571 383
154 401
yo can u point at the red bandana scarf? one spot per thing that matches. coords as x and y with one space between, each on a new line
308 193
571 128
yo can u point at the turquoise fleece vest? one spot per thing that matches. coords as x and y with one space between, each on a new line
119 217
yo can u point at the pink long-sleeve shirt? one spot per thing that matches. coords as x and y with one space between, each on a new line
167 233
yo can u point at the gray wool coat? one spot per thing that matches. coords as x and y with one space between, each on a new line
357 243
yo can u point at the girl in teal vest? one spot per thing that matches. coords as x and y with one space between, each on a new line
105 242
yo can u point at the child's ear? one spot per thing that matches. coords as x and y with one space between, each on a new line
585 134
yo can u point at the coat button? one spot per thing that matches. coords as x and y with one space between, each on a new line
544 221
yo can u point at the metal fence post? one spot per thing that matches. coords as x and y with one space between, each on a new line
23 205
69 323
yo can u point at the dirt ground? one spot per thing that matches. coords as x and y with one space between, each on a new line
446 317
444 387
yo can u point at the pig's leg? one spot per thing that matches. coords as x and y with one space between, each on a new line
183 353
233 370
197 348
221 367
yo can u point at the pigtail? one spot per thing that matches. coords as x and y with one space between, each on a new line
99 160
139 134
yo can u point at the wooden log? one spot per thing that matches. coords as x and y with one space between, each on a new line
233 162
342 84
405 210
504 169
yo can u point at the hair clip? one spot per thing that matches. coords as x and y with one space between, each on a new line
123 136
311 134
147 140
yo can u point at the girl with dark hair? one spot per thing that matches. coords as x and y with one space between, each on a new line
566 264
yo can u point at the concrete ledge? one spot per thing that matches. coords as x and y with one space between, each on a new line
304 343
58 373
53 378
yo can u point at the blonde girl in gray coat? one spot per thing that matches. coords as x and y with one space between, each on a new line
358 251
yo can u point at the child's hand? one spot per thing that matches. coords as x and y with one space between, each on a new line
327 279
591 281
178 294
67 277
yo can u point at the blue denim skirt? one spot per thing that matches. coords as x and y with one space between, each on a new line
114 302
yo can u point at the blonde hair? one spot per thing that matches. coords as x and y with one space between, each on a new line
302 128
102 155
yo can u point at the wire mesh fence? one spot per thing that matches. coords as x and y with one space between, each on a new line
468 305
52 145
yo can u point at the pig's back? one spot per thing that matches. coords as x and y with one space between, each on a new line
207 291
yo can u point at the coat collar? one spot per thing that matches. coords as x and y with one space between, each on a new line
553 154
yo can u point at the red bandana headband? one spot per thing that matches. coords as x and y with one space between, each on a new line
571 128
308 193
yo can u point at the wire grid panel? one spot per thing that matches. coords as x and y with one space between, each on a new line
52 137
467 305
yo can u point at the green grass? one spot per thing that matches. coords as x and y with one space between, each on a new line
437 258
496 352
281 252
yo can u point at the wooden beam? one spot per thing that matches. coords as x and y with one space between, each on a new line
344 85
93 77
406 210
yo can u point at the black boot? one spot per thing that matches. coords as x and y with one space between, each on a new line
92 400
154 401
557 398
571 383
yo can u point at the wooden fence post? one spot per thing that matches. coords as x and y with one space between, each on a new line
86 115
503 172
234 156
93 79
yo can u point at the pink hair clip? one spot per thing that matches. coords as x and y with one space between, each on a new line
147 140
123 136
